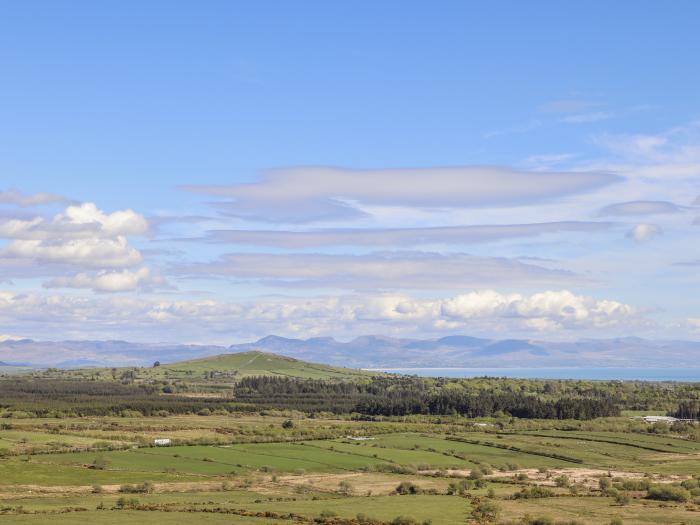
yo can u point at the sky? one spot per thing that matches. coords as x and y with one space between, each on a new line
214 172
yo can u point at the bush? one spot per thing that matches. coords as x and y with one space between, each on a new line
144 488
485 511
533 492
690 484
668 493
634 484
288 424
403 520
561 481
622 499
476 474
407 487
127 503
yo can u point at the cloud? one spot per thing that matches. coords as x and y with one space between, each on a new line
17 198
110 281
385 270
75 222
306 194
485 311
639 208
96 252
397 236
644 232
6 337
81 235
677 145
584 118
123 222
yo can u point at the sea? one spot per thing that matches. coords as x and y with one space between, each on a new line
606 373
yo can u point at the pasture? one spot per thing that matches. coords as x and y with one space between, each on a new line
249 469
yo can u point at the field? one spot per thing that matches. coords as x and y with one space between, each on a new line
259 439
254 470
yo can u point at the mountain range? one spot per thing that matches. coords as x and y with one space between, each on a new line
372 351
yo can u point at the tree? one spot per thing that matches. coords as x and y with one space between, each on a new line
156 364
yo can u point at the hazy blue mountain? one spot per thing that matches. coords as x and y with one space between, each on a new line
374 351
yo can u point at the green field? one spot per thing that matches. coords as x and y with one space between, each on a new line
338 478
78 446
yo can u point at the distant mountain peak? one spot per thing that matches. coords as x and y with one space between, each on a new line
373 351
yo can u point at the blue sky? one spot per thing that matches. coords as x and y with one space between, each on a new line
213 172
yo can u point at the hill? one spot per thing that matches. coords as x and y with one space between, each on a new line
256 363
224 369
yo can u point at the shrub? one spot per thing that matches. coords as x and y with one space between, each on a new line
533 492
407 487
476 474
561 481
144 488
690 484
635 484
403 520
485 511
668 493
622 499
127 503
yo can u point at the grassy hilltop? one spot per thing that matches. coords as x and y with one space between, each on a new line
224 368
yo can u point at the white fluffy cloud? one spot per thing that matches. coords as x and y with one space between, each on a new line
82 235
555 311
96 252
110 281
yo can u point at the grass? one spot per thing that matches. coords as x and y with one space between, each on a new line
332 473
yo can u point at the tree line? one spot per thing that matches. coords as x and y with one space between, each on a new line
401 396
